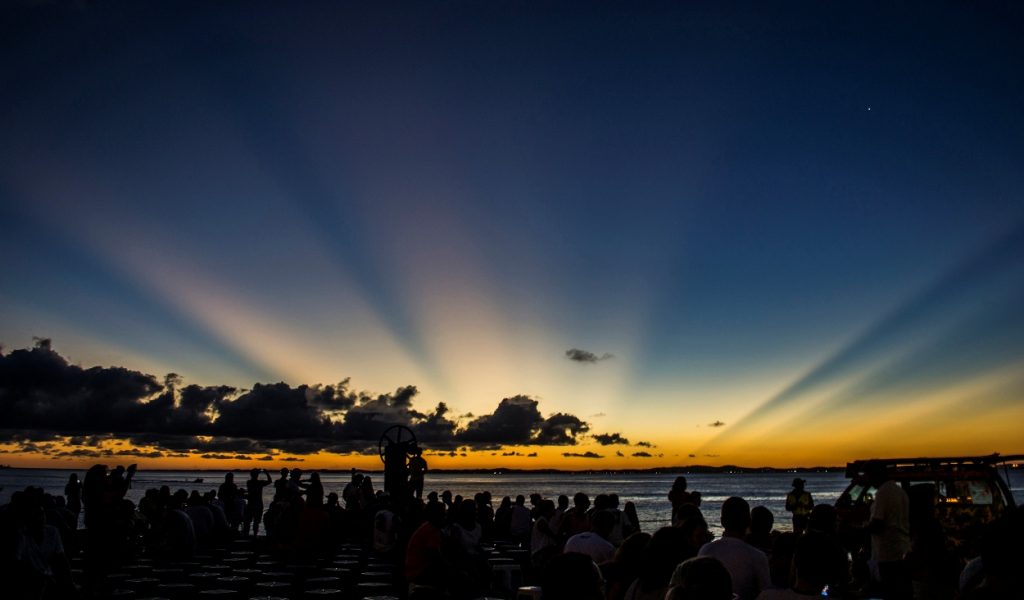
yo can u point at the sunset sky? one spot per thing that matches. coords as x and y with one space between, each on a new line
729 233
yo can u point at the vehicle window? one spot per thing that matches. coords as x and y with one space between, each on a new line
972 491
853 492
978 492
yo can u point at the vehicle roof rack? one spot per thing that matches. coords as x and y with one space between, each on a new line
858 467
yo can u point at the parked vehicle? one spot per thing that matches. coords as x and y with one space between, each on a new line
967 492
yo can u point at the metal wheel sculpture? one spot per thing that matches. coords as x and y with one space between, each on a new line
396 434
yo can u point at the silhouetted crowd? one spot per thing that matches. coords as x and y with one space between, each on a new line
447 546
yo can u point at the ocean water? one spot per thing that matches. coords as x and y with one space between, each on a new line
648 491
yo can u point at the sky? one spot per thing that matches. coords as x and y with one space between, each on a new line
539 234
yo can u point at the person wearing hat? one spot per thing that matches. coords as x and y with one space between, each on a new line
799 502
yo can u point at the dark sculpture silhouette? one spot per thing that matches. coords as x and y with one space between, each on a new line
397 444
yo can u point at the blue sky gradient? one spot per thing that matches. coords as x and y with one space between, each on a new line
739 201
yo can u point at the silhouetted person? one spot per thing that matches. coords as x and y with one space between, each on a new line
351 492
572 576
595 543
576 520
890 533
366 493
799 502
281 486
695 532
824 522
520 522
629 509
999 573
230 497
425 566
120 480
667 548
761 522
747 565
700 578
254 504
202 519
39 567
933 569
386 526
679 497
466 531
314 491
560 510
544 541
178 540
623 526
622 570
73 494
417 471
503 519
485 513
815 565
295 482
101 491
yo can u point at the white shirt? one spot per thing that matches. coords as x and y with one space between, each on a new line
892 507
747 565
591 544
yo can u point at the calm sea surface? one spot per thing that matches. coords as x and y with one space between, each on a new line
647 491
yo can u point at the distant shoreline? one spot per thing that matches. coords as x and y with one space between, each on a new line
679 470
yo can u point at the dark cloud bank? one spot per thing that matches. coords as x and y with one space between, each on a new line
609 439
43 398
586 356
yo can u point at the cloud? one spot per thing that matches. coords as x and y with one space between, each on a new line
642 454
645 445
560 429
607 439
79 453
512 422
518 421
586 356
716 424
43 398
136 452
587 454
